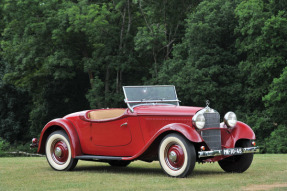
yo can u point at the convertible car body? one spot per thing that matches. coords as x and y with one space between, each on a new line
153 127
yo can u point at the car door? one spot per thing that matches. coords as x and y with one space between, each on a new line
114 133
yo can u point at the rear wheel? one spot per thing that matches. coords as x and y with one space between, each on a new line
237 163
177 155
58 151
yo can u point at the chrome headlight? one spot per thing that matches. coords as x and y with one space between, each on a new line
230 119
198 120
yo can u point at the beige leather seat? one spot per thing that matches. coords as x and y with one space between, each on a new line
105 114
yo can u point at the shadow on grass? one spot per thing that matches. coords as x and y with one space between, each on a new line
140 170
207 172
122 170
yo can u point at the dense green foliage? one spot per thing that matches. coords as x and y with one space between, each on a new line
62 56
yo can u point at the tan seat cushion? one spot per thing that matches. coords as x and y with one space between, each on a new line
106 114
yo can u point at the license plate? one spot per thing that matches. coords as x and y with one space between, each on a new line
233 151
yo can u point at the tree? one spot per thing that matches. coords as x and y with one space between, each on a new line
253 51
13 116
275 102
276 99
261 43
47 68
163 26
204 65
14 107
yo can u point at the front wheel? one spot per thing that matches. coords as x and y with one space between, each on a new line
237 163
177 155
58 152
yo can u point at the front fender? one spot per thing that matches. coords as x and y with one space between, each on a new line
242 131
189 132
68 127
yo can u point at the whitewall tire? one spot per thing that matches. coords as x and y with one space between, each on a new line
58 151
177 155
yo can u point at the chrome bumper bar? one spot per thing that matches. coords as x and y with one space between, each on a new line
231 151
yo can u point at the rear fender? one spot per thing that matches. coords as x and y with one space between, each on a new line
68 127
242 131
189 132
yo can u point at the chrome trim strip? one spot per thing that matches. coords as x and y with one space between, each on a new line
220 152
251 150
95 157
209 153
152 101
149 86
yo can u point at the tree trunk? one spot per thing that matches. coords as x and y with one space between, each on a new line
91 77
118 82
155 62
107 84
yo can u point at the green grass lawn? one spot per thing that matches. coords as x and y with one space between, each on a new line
267 172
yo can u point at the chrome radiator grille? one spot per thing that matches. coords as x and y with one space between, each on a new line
212 137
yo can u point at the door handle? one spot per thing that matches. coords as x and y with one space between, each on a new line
124 124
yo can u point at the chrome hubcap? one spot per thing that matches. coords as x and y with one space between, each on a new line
58 152
172 156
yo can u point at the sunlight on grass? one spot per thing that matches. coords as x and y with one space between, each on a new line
24 173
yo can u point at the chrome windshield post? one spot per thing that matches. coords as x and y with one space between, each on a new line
129 106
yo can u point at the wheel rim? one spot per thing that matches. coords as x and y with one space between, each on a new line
174 156
59 151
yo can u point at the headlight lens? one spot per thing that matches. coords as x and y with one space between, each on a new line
230 119
198 120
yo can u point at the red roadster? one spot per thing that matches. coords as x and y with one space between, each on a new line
153 127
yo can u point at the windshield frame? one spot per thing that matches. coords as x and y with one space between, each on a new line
135 103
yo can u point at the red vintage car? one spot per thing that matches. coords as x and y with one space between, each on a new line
153 127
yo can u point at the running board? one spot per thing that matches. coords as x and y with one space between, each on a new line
95 157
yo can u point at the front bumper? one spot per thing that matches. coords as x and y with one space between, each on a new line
228 152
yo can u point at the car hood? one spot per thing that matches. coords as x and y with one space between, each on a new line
166 110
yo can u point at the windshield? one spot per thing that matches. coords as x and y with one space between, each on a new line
135 95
